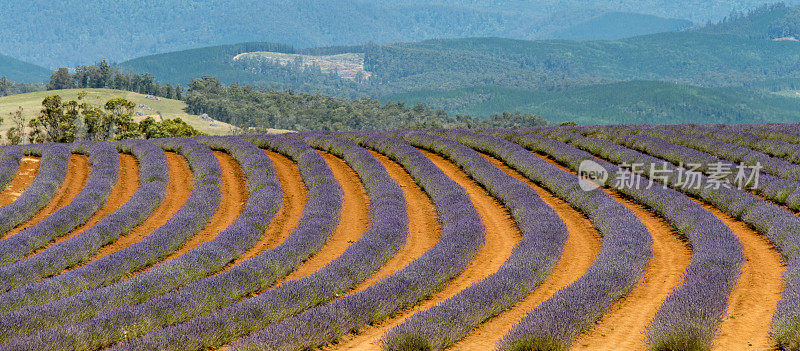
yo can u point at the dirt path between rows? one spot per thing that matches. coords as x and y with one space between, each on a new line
580 252
501 237
354 220
288 216
178 189
624 327
423 224
746 324
75 179
234 196
28 169
752 303
126 185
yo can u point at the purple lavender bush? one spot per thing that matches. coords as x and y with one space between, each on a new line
531 261
10 156
264 200
461 235
385 236
153 178
776 223
53 163
70 296
104 161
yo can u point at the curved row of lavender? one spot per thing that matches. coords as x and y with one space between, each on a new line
779 190
386 234
120 319
778 140
771 220
70 296
104 161
461 236
771 142
53 164
625 252
531 261
153 178
10 156
780 226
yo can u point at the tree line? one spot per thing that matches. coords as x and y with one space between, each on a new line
104 75
250 107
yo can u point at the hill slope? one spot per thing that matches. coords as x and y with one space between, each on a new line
686 57
618 25
637 102
767 22
166 108
20 71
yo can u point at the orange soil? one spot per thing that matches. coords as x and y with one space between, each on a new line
234 196
28 169
580 251
126 185
352 225
354 220
75 179
423 226
758 290
746 324
178 189
501 237
287 218
624 326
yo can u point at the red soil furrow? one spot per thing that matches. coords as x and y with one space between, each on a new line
501 237
75 179
234 196
287 218
352 225
354 222
746 324
423 226
178 189
28 169
625 325
126 185
580 251
753 301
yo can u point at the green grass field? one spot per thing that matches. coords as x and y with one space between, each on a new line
165 108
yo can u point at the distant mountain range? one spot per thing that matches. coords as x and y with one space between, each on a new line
70 32
724 72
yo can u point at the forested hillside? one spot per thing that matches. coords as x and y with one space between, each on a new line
60 37
261 109
685 57
766 22
19 71
636 102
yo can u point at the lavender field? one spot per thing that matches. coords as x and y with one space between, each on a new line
674 237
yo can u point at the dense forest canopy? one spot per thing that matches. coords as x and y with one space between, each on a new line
60 28
635 102
246 106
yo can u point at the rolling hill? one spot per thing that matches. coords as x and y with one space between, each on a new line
635 102
19 71
619 25
164 108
